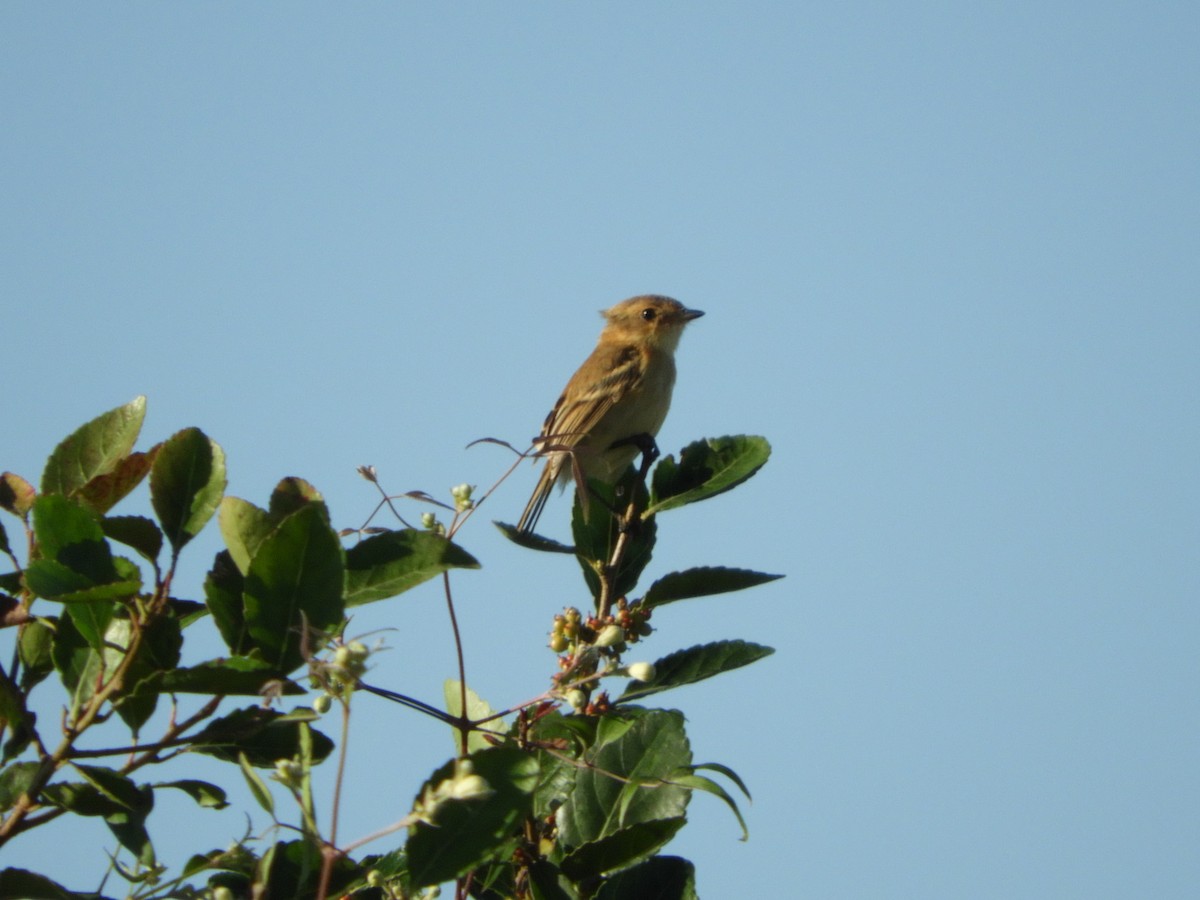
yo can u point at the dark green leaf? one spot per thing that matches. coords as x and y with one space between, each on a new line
71 535
658 878
16 494
532 541
466 833
291 495
701 582
596 533
206 795
14 781
223 596
700 783
94 449
295 581
238 675
388 564
696 664
293 869
157 654
643 748
34 644
706 468
137 532
620 849
186 484
5 546
15 718
264 735
20 884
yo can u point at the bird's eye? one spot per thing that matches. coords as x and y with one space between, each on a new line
649 313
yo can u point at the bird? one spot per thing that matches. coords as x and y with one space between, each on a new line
617 398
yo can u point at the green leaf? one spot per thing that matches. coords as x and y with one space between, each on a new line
258 787
243 526
71 535
701 582
263 735
239 675
208 796
706 468
293 869
477 708
15 718
20 884
532 541
467 833
15 780
157 654
223 595
643 748
388 564
295 582
292 494
95 448
696 664
597 532
5 546
16 494
700 783
34 645
187 482
137 532
660 878
620 849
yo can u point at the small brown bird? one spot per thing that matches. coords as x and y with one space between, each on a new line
623 390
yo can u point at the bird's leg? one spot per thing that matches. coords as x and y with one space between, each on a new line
646 445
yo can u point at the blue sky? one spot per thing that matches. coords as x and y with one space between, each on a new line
949 255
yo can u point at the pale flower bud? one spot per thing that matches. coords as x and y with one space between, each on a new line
610 636
641 671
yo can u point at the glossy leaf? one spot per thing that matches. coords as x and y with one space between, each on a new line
696 664
157 653
622 848
16 721
137 532
466 833
237 676
706 468
223 596
95 448
701 582
187 482
701 783
388 564
16 780
532 541
643 748
21 884
206 795
661 877
34 645
597 530
264 735
71 535
295 582
243 526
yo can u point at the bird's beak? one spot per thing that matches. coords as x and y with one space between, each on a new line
689 314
